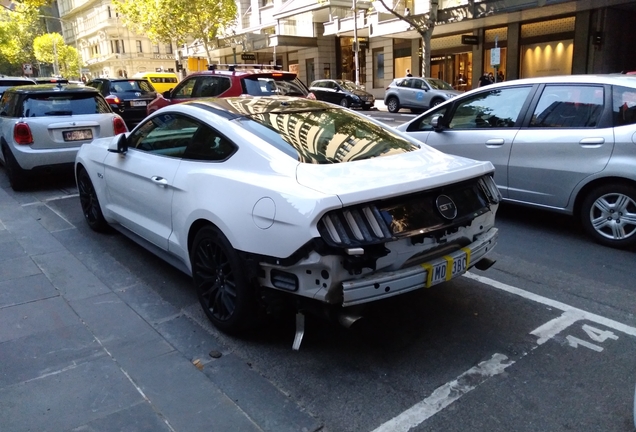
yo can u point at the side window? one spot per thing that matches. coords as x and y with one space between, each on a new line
208 145
404 83
184 90
419 84
211 86
568 106
166 135
624 105
490 109
424 123
6 104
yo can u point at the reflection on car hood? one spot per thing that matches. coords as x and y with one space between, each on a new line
360 92
387 176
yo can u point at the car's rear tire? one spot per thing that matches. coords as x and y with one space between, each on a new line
90 204
344 102
608 214
222 287
393 104
17 176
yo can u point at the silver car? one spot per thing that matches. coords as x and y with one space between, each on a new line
565 144
43 126
417 93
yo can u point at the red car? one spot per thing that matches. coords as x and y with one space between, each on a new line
233 80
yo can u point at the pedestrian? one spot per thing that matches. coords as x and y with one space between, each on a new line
408 73
500 76
484 80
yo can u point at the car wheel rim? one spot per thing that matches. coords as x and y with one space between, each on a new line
392 104
215 280
613 216
344 103
88 199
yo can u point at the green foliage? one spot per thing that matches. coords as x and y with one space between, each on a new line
178 20
50 48
18 28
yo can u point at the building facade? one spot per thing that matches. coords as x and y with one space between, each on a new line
531 37
107 47
315 39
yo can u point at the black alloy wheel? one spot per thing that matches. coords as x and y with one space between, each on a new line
220 282
608 214
90 204
17 176
436 102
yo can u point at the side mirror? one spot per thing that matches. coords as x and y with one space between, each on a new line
166 94
120 146
438 123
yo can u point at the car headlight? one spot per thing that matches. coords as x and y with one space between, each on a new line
489 187
449 95
355 98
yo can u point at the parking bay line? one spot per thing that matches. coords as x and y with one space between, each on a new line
469 380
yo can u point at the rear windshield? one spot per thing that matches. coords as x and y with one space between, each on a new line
63 105
280 84
326 136
131 86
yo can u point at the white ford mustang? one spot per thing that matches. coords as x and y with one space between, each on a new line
263 198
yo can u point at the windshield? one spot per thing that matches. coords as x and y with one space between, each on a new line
439 84
349 85
61 105
326 136
131 86
278 84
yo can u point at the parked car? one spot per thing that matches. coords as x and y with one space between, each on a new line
128 97
9 81
161 81
418 94
564 144
43 126
342 92
266 198
233 80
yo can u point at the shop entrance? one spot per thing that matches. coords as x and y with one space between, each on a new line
455 69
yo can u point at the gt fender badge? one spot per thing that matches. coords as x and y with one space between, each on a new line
446 207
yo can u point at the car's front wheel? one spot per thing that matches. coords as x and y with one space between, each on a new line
90 204
608 214
393 105
17 176
222 287
344 102
436 102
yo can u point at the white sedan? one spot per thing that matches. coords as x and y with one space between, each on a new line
262 199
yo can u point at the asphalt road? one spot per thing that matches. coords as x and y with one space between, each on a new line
545 340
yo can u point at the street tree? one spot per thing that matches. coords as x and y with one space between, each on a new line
180 21
424 24
19 26
50 48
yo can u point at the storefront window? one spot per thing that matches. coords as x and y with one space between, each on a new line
500 72
347 61
378 68
545 59
402 58
455 69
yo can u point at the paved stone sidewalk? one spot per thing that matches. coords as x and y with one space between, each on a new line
84 346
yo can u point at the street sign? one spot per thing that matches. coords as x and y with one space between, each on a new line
470 40
495 57
27 69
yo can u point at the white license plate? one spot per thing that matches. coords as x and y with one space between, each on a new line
78 135
137 103
450 267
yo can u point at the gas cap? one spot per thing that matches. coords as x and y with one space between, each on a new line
264 212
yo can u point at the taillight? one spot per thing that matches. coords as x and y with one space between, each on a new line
119 126
112 99
22 134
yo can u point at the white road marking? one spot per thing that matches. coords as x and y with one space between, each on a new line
448 393
555 304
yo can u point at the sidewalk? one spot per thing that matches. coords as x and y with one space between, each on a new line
84 346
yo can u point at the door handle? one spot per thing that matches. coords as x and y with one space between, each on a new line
160 181
592 141
495 142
